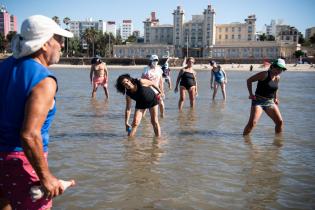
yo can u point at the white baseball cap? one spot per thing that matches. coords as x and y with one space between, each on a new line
280 63
154 57
36 30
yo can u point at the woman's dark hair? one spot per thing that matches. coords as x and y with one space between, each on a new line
119 86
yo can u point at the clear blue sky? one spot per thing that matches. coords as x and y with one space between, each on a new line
298 13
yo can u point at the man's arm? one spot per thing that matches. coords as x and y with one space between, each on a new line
37 107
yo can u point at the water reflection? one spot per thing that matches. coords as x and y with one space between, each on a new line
262 181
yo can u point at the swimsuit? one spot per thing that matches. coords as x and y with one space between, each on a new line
145 97
187 80
218 75
97 81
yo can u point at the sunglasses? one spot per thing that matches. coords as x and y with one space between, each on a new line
155 60
59 38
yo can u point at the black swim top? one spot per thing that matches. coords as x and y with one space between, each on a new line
187 80
266 88
145 97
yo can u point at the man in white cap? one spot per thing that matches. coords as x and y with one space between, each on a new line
27 107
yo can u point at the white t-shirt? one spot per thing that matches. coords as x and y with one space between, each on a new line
153 74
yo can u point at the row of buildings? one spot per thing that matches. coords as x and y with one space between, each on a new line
79 27
8 22
202 37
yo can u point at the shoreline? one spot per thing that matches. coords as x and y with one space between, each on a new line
198 67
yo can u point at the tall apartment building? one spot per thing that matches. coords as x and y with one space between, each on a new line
111 27
271 28
237 32
126 29
78 27
154 33
309 32
8 22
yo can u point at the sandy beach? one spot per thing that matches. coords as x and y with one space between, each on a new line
228 67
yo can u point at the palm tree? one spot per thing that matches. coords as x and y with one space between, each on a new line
56 19
90 35
66 21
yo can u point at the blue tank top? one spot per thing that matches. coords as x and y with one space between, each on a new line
17 79
218 75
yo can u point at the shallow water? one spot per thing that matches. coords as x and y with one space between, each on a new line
201 161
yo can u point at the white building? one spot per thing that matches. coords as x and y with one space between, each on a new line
309 32
78 27
126 29
111 27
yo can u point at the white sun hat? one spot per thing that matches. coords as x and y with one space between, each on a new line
36 30
154 57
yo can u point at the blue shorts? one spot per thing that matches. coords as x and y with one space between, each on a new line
264 103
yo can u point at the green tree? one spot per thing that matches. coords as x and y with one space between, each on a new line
132 39
301 39
90 35
75 47
298 53
262 37
2 43
270 38
56 19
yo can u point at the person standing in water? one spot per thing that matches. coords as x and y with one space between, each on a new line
219 77
27 108
154 73
266 96
188 82
99 76
146 94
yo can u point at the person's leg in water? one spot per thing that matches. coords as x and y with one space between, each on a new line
136 121
106 92
223 90
155 120
192 96
215 89
255 114
274 113
162 107
94 90
181 97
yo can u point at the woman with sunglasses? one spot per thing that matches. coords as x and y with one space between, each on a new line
188 82
154 73
146 94
266 97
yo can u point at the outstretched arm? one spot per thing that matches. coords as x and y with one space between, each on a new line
259 76
178 79
39 102
91 73
127 111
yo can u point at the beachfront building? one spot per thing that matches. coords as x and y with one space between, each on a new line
237 32
142 50
309 32
8 22
154 33
254 50
287 33
126 29
78 27
111 27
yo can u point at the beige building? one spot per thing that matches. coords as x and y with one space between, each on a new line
236 32
253 50
309 32
142 50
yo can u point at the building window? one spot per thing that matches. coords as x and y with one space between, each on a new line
220 36
226 30
233 36
226 36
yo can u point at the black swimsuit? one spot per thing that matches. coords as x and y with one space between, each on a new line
145 97
187 80
266 88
